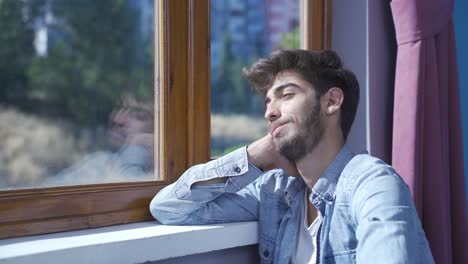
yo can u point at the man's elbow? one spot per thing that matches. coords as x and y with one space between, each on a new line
166 217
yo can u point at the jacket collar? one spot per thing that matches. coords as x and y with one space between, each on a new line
324 188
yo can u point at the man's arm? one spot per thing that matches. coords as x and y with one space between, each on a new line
183 203
135 158
222 190
389 230
133 161
264 156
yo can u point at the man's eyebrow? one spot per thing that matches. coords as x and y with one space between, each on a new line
278 89
141 109
283 86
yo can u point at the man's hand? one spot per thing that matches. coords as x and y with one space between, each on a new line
145 140
263 154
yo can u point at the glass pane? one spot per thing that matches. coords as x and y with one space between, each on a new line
77 95
241 32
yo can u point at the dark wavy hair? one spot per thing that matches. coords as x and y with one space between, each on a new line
322 69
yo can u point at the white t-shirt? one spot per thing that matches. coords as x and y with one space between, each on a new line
306 238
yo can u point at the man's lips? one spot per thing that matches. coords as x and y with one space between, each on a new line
275 126
116 134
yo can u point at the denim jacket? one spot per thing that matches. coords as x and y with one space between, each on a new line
367 210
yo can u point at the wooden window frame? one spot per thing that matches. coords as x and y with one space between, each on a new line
316 24
183 74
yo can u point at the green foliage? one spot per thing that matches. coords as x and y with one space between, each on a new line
96 55
219 152
230 92
291 40
16 48
231 149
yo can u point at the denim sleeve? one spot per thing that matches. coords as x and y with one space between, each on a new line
133 161
236 200
389 230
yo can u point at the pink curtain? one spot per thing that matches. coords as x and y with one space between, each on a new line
427 141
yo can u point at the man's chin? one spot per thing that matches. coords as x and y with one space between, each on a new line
116 140
281 141
291 149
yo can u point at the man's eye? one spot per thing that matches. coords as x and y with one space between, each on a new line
288 95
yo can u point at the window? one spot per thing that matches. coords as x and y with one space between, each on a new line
77 102
182 117
243 31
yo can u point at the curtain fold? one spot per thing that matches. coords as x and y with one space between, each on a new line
427 148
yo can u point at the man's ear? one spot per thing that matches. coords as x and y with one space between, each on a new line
333 99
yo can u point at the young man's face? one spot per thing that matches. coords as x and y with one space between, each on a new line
130 119
293 114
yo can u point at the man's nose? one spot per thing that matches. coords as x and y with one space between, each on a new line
120 117
272 112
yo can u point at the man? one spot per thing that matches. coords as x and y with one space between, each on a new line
130 134
132 124
326 204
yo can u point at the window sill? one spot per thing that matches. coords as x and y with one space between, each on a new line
130 243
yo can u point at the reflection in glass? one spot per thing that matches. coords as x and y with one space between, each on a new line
241 32
76 92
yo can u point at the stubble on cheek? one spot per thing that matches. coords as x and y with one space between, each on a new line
302 139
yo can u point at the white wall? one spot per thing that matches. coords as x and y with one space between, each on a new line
363 34
349 39
382 50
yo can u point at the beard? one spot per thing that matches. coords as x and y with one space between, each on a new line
305 139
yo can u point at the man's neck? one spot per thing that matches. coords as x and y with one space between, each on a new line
314 164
